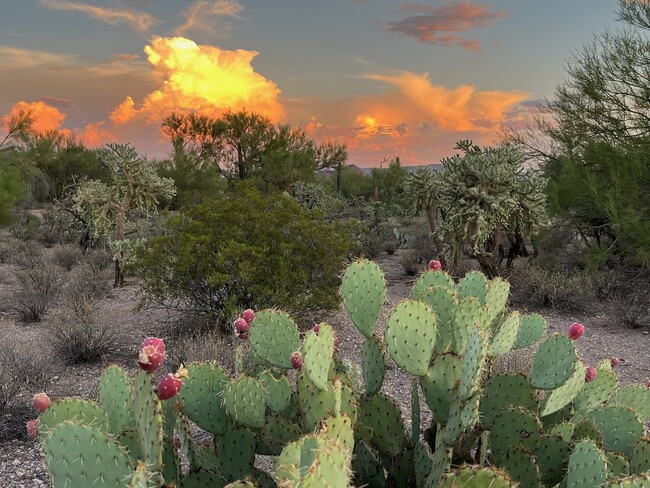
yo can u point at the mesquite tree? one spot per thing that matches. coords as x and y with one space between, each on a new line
135 186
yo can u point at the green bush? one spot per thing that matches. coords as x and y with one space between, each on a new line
12 189
244 249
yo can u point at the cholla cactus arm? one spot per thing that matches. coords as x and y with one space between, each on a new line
94 201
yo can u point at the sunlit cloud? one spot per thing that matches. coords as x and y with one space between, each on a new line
139 21
210 16
125 57
46 117
18 58
443 25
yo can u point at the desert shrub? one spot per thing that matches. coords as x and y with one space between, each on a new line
23 368
85 283
409 262
421 242
26 229
67 256
244 249
99 259
37 289
204 346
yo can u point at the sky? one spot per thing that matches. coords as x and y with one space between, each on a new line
387 78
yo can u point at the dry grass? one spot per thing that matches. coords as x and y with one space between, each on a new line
37 288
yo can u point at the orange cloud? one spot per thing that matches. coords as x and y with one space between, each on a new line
139 21
46 117
208 16
201 78
442 24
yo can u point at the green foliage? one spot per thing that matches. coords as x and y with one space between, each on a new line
194 182
12 189
244 249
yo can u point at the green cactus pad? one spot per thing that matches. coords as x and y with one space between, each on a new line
80 411
202 396
171 463
430 279
373 364
620 427
563 395
468 317
244 401
439 385
636 397
469 414
349 405
596 391
415 412
240 484
277 433
273 336
563 415
505 390
563 430
443 302
585 430
79 456
201 479
315 405
235 453
277 390
552 454
116 399
473 284
338 428
366 467
617 465
364 291
640 458
423 460
477 477
318 350
554 363
383 416
472 363
505 335
521 467
587 466
410 336
148 419
496 297
130 440
641 481
514 426
140 477
531 329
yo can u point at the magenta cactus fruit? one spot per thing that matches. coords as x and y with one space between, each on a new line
576 330
241 325
243 335
248 315
614 361
154 341
32 428
296 360
41 401
150 358
316 328
590 374
435 265
169 386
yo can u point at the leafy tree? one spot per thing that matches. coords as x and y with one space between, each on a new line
12 189
134 186
245 249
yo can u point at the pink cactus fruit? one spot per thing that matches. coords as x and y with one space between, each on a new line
32 428
614 361
248 315
176 441
154 341
241 325
435 265
316 328
296 360
243 335
41 401
576 330
590 374
150 358
169 386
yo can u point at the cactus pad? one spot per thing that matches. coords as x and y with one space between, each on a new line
598 390
640 458
201 395
410 336
521 467
505 335
373 364
366 467
277 433
620 427
318 350
80 411
505 390
273 336
244 401
79 456
476 477
531 329
587 466
443 302
116 399
364 291
641 481
468 317
617 465
473 284
277 390
563 395
552 455
554 363
496 297
235 453
148 419
429 279
636 397
338 428
514 426
440 383
383 416
472 363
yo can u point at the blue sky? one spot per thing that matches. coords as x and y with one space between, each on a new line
387 78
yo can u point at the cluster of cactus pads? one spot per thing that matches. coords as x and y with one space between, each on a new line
550 429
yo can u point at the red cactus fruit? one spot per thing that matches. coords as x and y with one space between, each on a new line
316 328
590 374
248 315
241 325
576 330
41 401
243 335
150 358
168 387
435 265
614 361
296 360
176 441
32 428
154 341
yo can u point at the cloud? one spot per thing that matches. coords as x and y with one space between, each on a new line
46 117
139 21
442 25
124 57
208 16
17 58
